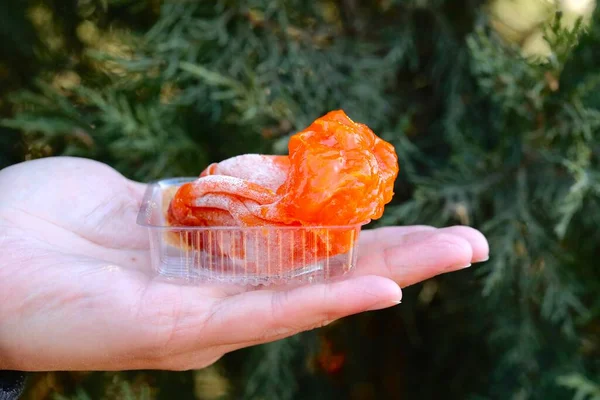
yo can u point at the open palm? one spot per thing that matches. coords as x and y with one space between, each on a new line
76 292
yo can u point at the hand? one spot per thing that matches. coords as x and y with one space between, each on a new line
75 292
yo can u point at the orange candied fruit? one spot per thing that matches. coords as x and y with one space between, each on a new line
341 173
338 173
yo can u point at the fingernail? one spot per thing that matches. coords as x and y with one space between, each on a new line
482 259
382 305
459 267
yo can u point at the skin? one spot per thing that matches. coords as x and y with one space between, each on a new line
76 292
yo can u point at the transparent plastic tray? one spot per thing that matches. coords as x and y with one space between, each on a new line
240 255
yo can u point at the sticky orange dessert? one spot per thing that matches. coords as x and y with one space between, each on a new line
338 174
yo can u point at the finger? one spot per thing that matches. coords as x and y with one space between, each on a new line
262 316
478 242
379 238
374 239
417 256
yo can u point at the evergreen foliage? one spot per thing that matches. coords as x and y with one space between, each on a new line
486 137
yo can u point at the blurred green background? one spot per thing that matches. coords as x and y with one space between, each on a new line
494 109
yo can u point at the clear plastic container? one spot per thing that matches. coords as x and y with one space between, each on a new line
239 255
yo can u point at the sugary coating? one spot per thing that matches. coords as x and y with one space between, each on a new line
264 170
217 192
338 173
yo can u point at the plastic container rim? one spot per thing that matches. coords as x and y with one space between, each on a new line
145 210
